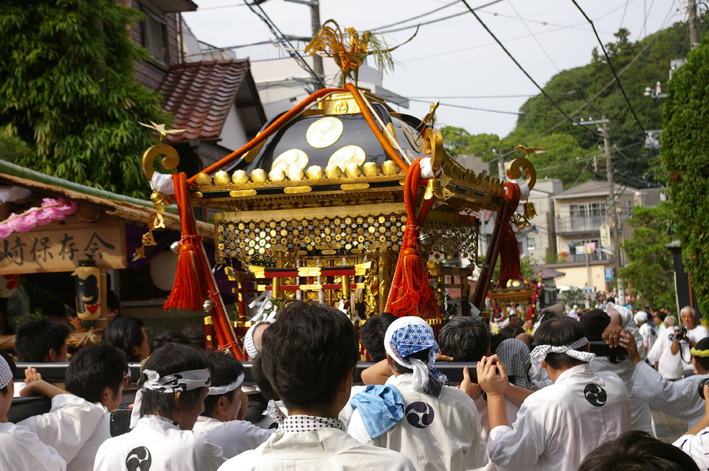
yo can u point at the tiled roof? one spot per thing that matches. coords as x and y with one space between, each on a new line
200 95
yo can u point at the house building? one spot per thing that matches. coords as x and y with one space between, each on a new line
213 98
579 213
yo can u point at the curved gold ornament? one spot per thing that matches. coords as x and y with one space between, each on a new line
346 155
314 172
333 171
291 158
221 178
203 179
433 144
169 162
390 167
258 175
370 169
514 172
240 177
324 132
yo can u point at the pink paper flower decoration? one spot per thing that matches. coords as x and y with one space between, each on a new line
50 210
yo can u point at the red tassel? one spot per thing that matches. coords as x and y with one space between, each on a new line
410 294
189 290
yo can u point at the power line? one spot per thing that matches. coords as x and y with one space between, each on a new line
518 113
535 38
518 64
484 96
438 19
610 64
415 17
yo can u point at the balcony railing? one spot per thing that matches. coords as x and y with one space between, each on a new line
580 224
592 257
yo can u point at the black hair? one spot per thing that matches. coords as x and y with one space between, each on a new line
307 354
196 336
36 337
54 310
262 381
637 451
11 364
112 301
703 344
464 339
422 355
661 315
225 370
124 333
558 332
94 368
497 339
5 327
169 336
594 323
372 335
169 359
611 300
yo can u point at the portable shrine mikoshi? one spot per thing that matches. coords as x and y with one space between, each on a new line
339 200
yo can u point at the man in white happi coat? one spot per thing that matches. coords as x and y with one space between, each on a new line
647 331
175 382
225 408
695 333
696 441
608 325
20 448
308 357
559 425
80 420
665 354
438 427
676 398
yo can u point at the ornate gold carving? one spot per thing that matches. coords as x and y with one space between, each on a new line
354 186
170 160
371 169
295 174
324 132
339 103
411 136
333 171
240 177
352 170
221 178
514 172
203 179
347 155
241 193
277 175
390 167
292 190
314 172
258 175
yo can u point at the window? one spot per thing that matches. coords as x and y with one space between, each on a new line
588 210
530 243
155 37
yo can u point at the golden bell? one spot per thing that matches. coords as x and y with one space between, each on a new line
529 211
239 177
258 175
390 168
203 179
433 188
221 178
352 170
371 169
277 175
314 172
333 171
295 174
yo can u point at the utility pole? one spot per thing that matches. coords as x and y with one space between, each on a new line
612 213
315 27
501 167
692 13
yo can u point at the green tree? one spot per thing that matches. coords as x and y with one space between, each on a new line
685 157
650 272
68 89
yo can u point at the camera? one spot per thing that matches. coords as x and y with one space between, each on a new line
700 387
681 333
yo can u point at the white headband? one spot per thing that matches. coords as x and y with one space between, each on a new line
227 388
5 373
540 353
169 384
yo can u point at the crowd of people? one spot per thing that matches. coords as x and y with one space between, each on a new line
572 392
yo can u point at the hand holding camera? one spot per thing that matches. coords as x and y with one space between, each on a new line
492 376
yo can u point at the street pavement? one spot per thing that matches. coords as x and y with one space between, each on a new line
668 429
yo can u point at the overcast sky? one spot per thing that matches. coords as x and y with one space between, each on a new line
457 57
